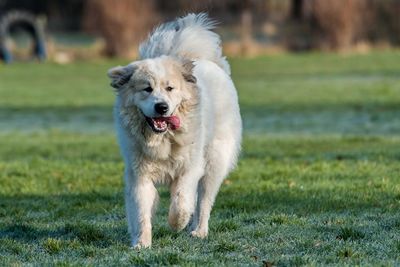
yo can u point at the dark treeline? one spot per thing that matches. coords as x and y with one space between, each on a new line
292 24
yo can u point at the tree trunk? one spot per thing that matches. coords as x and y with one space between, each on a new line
122 23
297 9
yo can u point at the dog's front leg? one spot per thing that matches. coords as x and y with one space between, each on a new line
140 198
183 198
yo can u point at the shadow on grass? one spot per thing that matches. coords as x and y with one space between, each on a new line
99 219
81 217
319 118
83 232
71 118
304 202
322 118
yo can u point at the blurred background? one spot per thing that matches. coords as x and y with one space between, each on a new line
305 66
84 29
319 92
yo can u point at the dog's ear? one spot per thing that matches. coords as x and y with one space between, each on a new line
188 71
120 75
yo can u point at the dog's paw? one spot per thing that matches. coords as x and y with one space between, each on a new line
178 219
193 225
141 245
179 213
199 233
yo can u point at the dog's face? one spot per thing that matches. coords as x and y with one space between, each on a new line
157 87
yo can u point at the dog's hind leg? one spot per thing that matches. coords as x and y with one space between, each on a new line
140 200
219 163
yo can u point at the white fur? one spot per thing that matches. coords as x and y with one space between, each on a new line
193 160
188 37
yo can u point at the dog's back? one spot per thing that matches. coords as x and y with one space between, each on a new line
189 38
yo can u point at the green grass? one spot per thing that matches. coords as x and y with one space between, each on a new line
317 183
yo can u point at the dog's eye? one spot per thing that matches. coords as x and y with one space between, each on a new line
169 88
148 89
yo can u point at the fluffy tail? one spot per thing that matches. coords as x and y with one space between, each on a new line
189 37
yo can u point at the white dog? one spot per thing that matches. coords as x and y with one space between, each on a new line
178 123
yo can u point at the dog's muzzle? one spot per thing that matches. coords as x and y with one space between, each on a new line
161 124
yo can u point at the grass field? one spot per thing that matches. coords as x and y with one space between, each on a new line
318 180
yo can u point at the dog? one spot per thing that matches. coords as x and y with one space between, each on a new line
178 123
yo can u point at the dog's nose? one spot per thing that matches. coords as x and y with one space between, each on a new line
161 108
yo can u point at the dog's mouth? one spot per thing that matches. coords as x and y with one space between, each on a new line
161 124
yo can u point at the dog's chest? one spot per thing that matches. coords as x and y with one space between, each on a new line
166 161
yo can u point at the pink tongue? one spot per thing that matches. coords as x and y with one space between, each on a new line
174 121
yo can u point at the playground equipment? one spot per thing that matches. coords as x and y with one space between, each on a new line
27 22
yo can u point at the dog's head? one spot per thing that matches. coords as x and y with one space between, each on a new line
157 87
